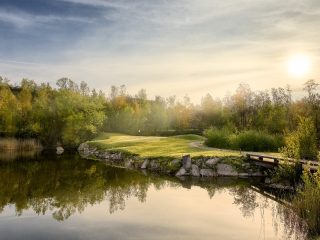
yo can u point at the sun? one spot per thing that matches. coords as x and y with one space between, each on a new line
299 65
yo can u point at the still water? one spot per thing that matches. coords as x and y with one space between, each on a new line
72 198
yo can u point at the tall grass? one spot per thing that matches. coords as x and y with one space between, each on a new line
256 141
219 138
13 144
306 202
247 140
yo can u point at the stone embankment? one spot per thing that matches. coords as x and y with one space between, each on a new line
185 166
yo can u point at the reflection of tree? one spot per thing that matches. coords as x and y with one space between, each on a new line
66 186
294 225
246 198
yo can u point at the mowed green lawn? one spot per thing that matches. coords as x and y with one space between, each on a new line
152 146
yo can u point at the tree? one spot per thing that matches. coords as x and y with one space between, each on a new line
9 110
313 103
242 106
302 143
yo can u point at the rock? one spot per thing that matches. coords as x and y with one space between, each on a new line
226 170
195 170
114 156
267 181
129 163
181 172
154 164
175 161
257 174
186 162
59 150
212 161
243 174
281 186
207 172
145 164
84 149
245 165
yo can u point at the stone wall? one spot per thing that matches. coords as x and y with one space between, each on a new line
185 166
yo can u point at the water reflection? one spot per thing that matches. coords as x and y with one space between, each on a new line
65 186
11 155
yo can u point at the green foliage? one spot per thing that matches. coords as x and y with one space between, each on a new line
72 113
302 143
306 202
256 141
288 173
245 140
219 138
68 115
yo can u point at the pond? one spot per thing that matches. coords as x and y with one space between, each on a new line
66 197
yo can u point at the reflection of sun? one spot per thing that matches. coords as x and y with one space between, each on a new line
299 65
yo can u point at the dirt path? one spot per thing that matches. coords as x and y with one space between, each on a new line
200 145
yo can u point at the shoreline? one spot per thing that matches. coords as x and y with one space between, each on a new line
202 166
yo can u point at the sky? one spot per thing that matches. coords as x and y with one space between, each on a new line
168 47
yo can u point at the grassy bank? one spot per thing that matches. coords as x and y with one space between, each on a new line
149 146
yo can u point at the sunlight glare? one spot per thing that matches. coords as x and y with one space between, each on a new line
299 65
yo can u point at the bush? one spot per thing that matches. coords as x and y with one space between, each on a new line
247 140
218 138
306 202
288 173
302 143
256 141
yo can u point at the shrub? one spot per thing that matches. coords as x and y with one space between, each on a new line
218 138
302 143
256 141
288 173
306 202
247 140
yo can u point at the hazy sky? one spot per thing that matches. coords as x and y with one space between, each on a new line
165 46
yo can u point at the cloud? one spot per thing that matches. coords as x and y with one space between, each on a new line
23 20
182 46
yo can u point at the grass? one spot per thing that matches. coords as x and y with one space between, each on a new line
306 202
151 146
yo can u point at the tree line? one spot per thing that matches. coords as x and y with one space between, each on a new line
71 113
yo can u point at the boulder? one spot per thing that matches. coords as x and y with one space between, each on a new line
281 186
59 150
186 162
115 156
243 174
154 165
207 172
267 181
175 161
145 164
226 170
128 163
212 161
195 170
181 172
257 174
84 149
